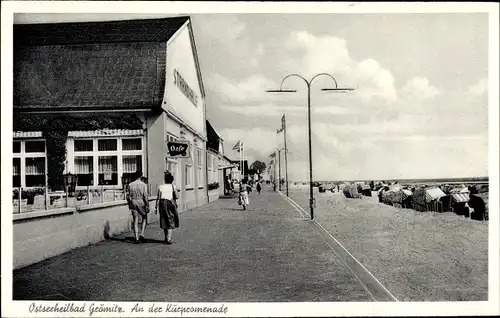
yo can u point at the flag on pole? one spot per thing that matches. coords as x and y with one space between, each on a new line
239 146
282 125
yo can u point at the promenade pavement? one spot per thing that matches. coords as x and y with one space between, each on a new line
220 253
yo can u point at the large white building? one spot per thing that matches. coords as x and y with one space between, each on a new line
100 100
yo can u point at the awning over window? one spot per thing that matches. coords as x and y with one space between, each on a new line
106 132
84 134
27 134
227 167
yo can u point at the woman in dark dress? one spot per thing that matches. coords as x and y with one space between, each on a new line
166 200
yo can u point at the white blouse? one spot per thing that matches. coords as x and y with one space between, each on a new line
165 191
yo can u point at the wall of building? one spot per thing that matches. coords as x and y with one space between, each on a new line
156 149
182 71
192 190
39 238
185 105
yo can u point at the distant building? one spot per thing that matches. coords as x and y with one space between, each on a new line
218 165
242 168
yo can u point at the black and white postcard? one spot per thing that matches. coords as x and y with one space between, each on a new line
249 159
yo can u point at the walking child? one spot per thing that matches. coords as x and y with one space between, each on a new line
243 197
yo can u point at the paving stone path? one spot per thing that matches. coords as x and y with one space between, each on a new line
220 253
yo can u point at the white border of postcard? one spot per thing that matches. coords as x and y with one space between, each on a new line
491 307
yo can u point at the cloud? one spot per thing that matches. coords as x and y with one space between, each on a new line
378 131
308 55
257 53
249 91
392 157
223 27
252 137
419 88
374 81
264 110
312 54
224 41
480 88
259 50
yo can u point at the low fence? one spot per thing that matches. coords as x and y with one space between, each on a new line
34 199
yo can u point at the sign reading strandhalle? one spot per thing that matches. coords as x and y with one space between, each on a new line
184 87
179 149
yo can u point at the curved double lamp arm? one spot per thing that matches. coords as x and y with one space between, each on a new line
308 83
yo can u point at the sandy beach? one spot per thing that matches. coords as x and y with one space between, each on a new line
418 256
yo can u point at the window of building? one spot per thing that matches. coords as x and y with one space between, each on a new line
84 145
105 161
107 144
35 172
188 171
209 162
214 170
188 175
199 162
172 168
16 147
108 170
36 146
29 163
171 137
131 164
16 178
132 144
84 169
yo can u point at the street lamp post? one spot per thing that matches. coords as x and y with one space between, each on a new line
279 165
308 83
283 129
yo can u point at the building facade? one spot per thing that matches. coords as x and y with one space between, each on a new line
219 167
99 101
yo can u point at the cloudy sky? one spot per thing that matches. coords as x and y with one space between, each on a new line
419 109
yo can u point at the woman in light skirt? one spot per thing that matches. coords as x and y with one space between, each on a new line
166 200
243 198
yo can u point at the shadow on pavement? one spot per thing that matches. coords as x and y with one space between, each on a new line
131 239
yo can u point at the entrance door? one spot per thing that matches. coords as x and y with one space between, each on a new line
175 166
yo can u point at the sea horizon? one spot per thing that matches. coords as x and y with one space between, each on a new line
408 180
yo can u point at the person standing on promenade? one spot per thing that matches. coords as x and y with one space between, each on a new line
138 202
227 186
258 187
166 200
243 197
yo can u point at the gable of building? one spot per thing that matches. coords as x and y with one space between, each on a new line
184 95
213 138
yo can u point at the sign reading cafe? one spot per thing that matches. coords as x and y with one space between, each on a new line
179 149
184 87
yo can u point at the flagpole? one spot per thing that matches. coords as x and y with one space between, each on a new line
243 159
286 156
